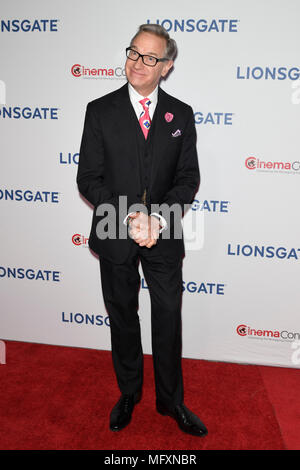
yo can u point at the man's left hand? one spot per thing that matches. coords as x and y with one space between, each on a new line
144 229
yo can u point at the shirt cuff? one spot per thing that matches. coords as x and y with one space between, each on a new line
163 221
128 215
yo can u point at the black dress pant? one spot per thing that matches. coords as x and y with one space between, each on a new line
120 287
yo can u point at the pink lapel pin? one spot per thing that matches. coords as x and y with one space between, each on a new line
169 117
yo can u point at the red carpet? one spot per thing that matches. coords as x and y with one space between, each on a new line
56 397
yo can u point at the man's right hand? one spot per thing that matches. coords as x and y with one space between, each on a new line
144 229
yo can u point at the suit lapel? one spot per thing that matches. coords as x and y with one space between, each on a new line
125 120
161 132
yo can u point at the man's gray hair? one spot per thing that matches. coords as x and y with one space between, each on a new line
158 30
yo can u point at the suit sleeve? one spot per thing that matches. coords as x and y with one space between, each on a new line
90 175
187 176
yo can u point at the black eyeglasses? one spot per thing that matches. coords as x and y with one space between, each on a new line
149 60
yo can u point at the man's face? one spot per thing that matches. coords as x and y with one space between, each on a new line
142 77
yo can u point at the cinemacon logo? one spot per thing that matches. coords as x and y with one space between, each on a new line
253 163
245 330
79 70
78 239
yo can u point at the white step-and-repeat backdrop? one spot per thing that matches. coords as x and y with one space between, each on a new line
238 66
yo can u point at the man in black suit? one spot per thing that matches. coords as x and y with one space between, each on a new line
139 144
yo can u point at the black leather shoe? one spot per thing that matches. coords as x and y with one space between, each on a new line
186 420
120 415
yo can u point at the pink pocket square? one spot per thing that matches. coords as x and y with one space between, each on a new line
176 133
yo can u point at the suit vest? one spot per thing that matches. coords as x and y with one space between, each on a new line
145 152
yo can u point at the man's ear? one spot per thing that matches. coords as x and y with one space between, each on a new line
167 66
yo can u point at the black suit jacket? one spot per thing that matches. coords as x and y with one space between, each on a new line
109 165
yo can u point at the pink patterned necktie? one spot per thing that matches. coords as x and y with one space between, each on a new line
144 119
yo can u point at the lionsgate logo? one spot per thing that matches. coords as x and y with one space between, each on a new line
17 25
276 335
255 164
201 25
81 71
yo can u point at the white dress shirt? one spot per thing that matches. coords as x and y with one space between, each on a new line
135 99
